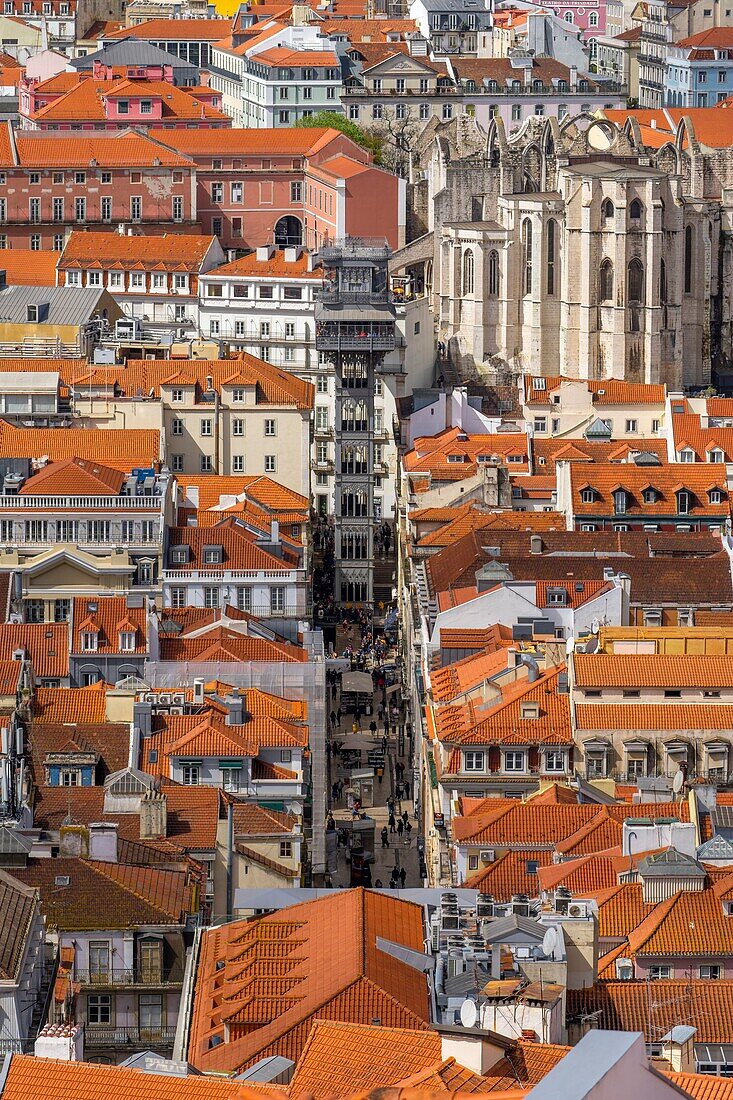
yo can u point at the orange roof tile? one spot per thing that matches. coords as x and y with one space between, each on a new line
87 100
24 267
509 875
526 1063
621 908
112 617
605 478
628 1006
315 960
284 142
57 706
548 452
453 455
120 149
108 251
42 1078
615 391
276 267
614 670
506 722
78 476
688 433
452 680
634 716
133 447
47 645
175 30
239 549
221 644
703 1086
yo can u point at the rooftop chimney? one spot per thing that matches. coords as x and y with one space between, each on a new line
103 841
153 815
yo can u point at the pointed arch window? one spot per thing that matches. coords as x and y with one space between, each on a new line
636 282
608 210
635 210
551 256
527 256
494 273
689 245
468 276
605 282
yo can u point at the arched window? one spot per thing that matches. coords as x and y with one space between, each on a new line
605 282
527 256
493 273
689 241
635 210
608 210
551 255
467 271
593 19
636 282
568 17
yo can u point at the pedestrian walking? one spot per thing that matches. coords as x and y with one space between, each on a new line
398 791
333 719
384 744
403 876
392 824
385 837
390 804
400 826
354 727
406 787
408 829
405 817
373 727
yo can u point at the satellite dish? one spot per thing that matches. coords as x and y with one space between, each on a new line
469 1013
569 645
595 626
677 782
549 942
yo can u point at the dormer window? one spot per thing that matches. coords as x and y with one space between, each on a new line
127 641
649 496
529 708
456 458
683 502
557 597
588 495
212 555
619 502
89 641
715 496
179 555
687 455
716 455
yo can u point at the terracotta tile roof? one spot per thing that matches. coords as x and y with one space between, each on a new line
106 895
255 489
253 820
375 30
193 813
602 831
504 722
453 455
315 960
208 735
547 452
175 30
281 55
285 142
615 670
508 875
226 645
32 1078
47 645
621 908
57 706
696 478
441 1079
24 267
616 392
87 100
239 550
108 740
577 593
341 1059
655 1007
273 386
78 476
111 617
121 149
507 823
111 251
452 680
276 267
653 716
690 923
703 1086
475 638
526 1064
588 874
554 794
688 433
18 906
133 447
9 677
475 519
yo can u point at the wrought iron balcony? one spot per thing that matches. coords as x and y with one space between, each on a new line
138 975
107 1035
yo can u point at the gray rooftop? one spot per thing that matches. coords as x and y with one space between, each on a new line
585 1066
670 862
131 51
67 305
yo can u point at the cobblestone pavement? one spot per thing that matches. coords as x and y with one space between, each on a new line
400 851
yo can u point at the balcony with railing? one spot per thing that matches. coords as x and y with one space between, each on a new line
97 1036
112 977
13 502
368 336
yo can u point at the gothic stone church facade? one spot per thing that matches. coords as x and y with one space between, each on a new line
575 249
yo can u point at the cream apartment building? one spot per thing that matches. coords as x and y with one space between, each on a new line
557 408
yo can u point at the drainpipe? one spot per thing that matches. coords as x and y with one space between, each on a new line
230 859
217 430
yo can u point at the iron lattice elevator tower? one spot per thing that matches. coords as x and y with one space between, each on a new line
355 329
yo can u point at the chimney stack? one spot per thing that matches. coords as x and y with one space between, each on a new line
153 815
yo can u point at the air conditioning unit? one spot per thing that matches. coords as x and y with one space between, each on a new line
488 855
578 909
128 328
